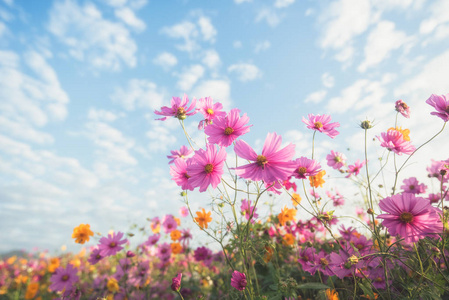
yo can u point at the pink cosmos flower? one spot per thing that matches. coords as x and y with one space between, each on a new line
441 104
247 210
178 171
434 169
394 141
207 167
238 280
110 245
402 108
164 251
181 153
272 165
306 167
355 168
289 185
153 239
225 130
322 124
169 223
179 109
410 217
63 278
95 256
183 211
185 238
209 110
203 254
176 282
336 160
411 185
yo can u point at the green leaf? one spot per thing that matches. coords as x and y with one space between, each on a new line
313 286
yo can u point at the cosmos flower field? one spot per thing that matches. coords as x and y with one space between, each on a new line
397 249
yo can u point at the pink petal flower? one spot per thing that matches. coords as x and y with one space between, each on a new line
441 104
322 124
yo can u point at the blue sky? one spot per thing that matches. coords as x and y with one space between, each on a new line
79 81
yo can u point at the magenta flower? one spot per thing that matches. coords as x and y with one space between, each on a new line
176 282
238 280
336 160
209 110
169 223
164 251
441 104
402 108
272 165
181 153
185 238
153 239
225 130
410 217
306 167
247 210
322 124
203 254
179 109
110 245
63 278
394 141
95 256
355 168
411 185
207 167
345 262
178 171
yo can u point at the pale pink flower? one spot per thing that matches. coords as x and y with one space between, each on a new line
306 167
207 167
402 108
169 223
183 211
179 109
355 168
272 165
322 124
209 110
336 160
441 104
181 153
411 185
225 130
394 141
178 171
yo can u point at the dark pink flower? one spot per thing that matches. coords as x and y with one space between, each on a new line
441 104
410 217
247 210
111 244
238 280
153 239
209 110
394 141
306 167
355 168
95 256
179 109
176 283
336 160
169 223
272 165
178 171
322 124
402 108
203 254
225 130
63 278
207 167
181 153
164 251
411 185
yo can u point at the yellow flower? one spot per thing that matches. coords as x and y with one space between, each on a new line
31 291
112 285
296 199
176 248
317 180
175 235
81 233
331 294
54 264
203 218
405 132
289 239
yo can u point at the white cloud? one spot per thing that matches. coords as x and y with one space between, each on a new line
189 77
245 72
382 40
268 15
161 138
211 59
316 97
436 24
90 37
186 31
328 80
207 29
129 18
342 21
139 93
219 90
101 115
283 3
237 44
262 46
387 5
242 1
166 60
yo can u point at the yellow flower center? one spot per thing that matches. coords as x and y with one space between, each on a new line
412 187
113 244
324 262
229 131
447 109
261 161
302 170
65 277
318 125
181 113
406 217
337 159
210 111
208 168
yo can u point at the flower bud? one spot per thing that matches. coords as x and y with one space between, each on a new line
366 124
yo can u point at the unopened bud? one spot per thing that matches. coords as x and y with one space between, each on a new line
366 124
370 211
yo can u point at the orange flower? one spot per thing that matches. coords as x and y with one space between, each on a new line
317 180
331 294
287 214
289 239
81 233
203 218
54 264
112 285
405 132
175 235
176 248
268 254
178 221
31 291
296 199
369 297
